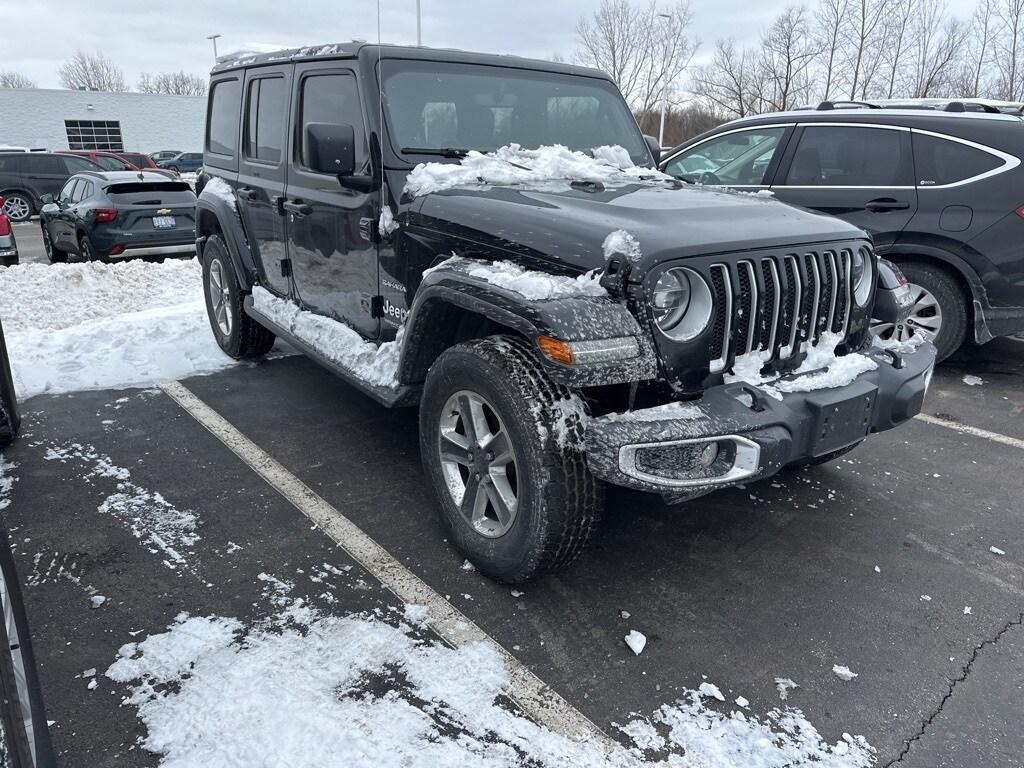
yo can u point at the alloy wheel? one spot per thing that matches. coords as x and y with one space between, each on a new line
17 208
478 463
220 298
925 319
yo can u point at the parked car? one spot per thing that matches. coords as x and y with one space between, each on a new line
164 154
137 159
8 243
26 176
108 161
937 184
119 215
530 397
183 162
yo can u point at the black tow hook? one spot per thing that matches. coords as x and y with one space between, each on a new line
897 360
616 276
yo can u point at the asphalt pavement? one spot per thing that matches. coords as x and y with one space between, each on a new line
30 242
868 563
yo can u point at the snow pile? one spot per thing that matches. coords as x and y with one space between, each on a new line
334 340
823 368
843 672
620 242
514 165
784 685
895 345
531 285
97 326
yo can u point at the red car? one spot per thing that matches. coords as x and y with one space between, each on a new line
138 159
108 161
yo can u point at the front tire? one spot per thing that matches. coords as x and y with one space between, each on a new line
236 333
85 250
500 443
53 255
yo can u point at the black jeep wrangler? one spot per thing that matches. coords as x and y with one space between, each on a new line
488 238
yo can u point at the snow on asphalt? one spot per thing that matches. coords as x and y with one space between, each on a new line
104 326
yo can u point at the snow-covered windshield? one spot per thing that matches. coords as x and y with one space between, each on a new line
438 107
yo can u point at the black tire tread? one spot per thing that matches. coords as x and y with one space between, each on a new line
950 295
251 339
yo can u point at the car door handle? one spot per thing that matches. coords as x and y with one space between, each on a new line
297 207
887 204
246 193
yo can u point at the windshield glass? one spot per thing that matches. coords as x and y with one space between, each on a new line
438 106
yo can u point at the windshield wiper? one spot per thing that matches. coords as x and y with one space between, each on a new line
441 151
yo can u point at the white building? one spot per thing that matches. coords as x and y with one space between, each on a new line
41 118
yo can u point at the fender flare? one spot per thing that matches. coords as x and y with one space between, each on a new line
448 293
212 208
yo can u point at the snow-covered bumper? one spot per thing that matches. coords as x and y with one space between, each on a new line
736 432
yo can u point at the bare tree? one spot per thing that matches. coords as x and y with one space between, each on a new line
726 84
175 83
937 40
896 43
642 52
91 72
1009 50
788 51
974 77
830 19
864 29
11 79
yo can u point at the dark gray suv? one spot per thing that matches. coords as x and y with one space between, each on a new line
26 176
939 186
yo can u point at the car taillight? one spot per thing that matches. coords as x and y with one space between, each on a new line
104 215
1020 211
5 224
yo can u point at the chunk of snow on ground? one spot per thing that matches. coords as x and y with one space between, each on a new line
710 690
621 243
219 188
967 610
972 381
996 550
387 223
742 702
468 566
636 641
843 672
512 164
784 685
90 672
644 735
666 412
231 548
96 601
377 365
625 614
926 598
92 684
877 569
517 593
531 285
416 614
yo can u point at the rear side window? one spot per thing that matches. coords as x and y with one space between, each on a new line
264 123
9 162
151 193
851 156
222 122
941 161
109 163
50 164
332 99
82 191
77 164
139 161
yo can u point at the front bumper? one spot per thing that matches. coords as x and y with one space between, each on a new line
754 435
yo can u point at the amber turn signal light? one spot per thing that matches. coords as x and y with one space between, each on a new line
556 350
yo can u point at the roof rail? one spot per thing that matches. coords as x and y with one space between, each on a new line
962 106
827 105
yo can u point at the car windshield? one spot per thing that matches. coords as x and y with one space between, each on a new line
443 106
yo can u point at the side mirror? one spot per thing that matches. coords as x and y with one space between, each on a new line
330 148
46 199
655 147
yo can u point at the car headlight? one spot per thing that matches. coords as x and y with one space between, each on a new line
681 304
862 271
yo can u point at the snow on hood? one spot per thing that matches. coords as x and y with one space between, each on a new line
512 164
531 285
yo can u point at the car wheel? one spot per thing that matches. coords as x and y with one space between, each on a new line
52 254
514 491
237 334
939 314
85 250
17 206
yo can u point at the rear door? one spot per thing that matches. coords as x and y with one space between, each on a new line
861 173
333 260
262 171
46 174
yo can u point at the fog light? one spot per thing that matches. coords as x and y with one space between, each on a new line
709 455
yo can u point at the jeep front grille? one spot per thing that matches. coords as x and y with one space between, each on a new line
774 303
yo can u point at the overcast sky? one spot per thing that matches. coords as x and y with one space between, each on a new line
154 36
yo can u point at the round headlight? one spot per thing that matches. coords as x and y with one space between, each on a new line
681 304
863 276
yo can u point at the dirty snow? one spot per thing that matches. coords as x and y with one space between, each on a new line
784 685
334 340
843 672
636 641
97 326
531 285
621 243
512 164
972 381
96 601
996 550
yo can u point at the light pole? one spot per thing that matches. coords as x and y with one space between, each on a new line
664 97
214 39
419 26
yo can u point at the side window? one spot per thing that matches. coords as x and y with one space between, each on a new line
264 129
940 161
851 156
109 163
222 120
83 191
740 158
75 164
9 162
331 99
67 191
46 164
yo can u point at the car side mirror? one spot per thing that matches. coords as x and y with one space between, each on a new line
46 199
330 148
655 147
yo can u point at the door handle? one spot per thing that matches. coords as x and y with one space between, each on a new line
883 204
246 193
297 207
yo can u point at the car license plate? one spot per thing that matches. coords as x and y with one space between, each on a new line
164 222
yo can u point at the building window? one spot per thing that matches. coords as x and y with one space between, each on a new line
94 134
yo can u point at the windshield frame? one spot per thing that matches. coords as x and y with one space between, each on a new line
437 154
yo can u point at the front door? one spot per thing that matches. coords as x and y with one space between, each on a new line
333 260
862 174
262 171
59 226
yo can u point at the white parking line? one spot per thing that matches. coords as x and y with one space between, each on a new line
966 429
538 700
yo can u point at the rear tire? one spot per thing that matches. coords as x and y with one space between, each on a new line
85 250
941 308
236 333
557 501
53 255
17 206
